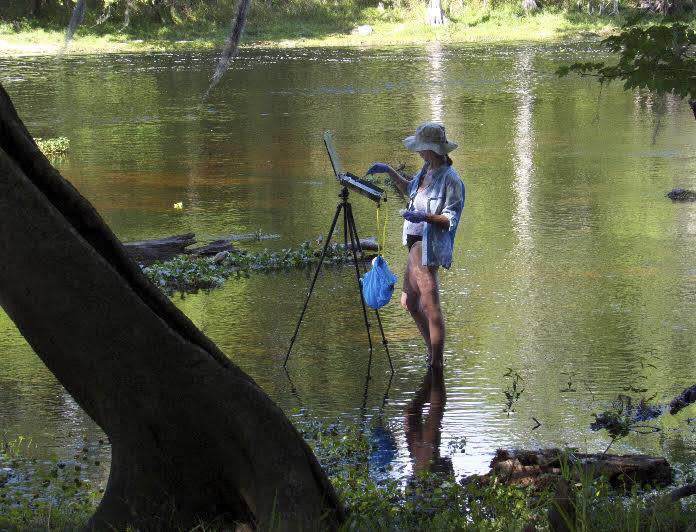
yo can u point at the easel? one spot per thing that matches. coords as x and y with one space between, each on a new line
350 232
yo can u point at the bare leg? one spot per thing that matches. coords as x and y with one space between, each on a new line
416 278
419 317
410 297
430 302
429 305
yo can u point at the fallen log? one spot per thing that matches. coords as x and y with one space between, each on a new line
149 251
212 249
543 468
146 252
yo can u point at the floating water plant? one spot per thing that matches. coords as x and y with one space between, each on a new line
513 391
626 416
56 146
187 274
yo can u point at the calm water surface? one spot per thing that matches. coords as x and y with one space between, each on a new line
571 267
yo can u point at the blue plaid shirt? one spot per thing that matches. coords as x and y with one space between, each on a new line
445 196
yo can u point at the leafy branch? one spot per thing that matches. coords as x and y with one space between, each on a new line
659 58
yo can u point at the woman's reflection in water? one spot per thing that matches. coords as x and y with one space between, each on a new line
423 432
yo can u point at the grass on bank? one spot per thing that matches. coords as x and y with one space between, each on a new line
57 494
308 24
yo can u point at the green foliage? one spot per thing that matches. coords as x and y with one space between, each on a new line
45 494
113 25
53 147
426 501
57 494
660 58
187 274
595 505
626 415
513 390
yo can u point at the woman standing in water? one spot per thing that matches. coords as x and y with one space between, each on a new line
436 199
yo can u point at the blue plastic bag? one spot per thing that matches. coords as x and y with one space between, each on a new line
378 284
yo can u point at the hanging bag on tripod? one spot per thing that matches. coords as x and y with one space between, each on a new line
378 283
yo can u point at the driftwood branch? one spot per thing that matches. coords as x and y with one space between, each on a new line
683 400
682 492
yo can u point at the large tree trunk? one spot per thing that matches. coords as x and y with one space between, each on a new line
434 14
36 7
529 6
193 437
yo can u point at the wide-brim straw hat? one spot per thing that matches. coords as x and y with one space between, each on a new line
430 136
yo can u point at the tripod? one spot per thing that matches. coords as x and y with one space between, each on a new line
349 230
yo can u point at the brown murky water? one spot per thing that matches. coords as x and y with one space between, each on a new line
571 267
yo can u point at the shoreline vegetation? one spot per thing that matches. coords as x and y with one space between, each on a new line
62 493
312 23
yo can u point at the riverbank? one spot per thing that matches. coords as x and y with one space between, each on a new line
371 28
62 493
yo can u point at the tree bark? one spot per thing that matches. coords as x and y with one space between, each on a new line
36 8
529 6
193 437
435 15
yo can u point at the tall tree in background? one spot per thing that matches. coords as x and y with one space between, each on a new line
435 14
529 6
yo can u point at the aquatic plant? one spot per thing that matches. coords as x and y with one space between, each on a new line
55 146
46 494
187 274
625 416
56 495
513 391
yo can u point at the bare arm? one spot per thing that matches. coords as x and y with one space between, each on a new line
400 182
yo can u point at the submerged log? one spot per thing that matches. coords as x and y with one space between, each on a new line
149 251
543 467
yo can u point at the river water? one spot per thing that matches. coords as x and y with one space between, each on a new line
571 270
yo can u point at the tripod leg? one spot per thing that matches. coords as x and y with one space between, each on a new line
345 228
356 245
363 406
314 280
379 319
